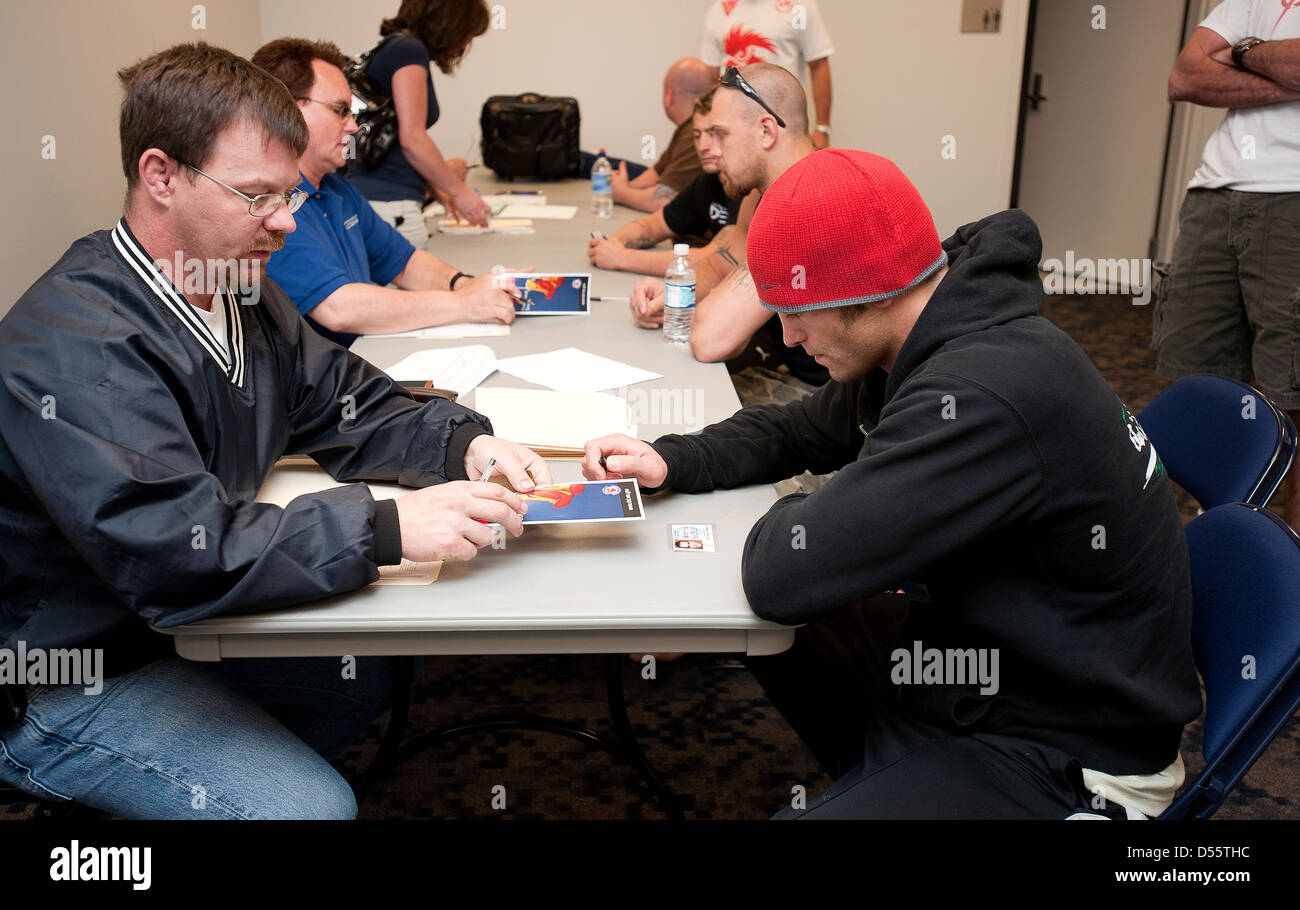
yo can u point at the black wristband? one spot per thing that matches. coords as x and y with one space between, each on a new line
388 533
1239 51
454 278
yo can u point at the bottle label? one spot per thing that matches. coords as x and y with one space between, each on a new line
679 297
600 183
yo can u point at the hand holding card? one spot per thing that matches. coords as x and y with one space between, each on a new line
555 294
622 456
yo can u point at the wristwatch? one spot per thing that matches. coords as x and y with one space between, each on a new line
824 128
1239 51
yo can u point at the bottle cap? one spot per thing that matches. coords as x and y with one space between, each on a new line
681 249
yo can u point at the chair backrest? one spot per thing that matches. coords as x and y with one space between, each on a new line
1220 440
1245 565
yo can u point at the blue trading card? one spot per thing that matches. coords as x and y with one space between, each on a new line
591 500
550 295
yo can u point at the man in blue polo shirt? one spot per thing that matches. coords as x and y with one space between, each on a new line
335 264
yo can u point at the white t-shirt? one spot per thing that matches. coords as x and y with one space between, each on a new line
1255 149
788 33
215 320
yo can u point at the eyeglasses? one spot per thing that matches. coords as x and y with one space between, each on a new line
341 109
732 79
265 204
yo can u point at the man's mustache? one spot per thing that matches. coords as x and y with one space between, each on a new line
271 244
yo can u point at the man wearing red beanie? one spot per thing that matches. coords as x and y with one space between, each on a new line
1043 665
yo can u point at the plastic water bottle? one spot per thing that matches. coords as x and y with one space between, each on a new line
679 296
602 192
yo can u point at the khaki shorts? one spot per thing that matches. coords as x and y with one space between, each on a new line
1231 303
406 216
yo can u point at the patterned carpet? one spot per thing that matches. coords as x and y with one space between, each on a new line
703 722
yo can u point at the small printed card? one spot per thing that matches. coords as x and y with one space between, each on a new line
550 295
584 500
691 538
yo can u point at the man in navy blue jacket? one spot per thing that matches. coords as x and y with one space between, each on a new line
983 461
141 409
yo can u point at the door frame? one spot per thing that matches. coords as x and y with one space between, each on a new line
1158 228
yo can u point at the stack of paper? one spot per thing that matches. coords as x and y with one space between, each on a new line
495 226
436 210
288 483
540 211
553 424
573 370
461 369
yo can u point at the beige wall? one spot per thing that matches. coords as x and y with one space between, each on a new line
62 56
904 77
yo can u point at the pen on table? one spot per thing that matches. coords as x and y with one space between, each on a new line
610 299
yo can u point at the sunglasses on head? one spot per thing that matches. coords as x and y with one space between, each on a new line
731 78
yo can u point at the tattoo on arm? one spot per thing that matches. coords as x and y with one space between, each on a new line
639 242
740 279
663 191
724 250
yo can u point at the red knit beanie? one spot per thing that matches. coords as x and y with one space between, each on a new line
840 227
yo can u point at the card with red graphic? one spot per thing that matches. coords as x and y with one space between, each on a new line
549 295
584 500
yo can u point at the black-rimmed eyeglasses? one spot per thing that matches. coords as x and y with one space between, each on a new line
731 78
265 204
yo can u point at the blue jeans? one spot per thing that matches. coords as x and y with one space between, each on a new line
178 739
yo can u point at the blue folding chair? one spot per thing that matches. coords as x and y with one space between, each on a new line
1245 565
1220 440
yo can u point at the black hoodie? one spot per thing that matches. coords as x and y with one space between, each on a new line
995 466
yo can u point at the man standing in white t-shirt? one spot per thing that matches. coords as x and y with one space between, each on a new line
1231 303
785 32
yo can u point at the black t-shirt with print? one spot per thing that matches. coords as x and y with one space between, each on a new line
702 209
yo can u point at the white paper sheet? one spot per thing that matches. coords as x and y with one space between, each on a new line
455 330
461 369
553 419
574 370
